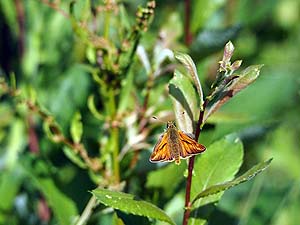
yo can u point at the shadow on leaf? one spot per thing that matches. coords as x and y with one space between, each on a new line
178 95
203 212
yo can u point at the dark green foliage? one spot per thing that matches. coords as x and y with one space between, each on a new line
80 82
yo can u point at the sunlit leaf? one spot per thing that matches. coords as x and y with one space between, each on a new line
16 142
93 109
10 183
144 58
52 130
76 127
218 164
243 178
246 77
184 100
75 158
9 13
126 89
188 63
130 204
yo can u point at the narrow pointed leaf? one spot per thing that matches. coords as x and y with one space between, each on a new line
10 184
243 178
188 63
126 89
93 109
184 100
130 204
76 127
144 58
247 76
75 158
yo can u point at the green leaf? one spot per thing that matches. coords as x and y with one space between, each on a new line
76 127
127 85
52 130
184 100
124 17
249 13
144 58
241 179
218 164
16 143
284 143
247 76
202 11
64 209
188 63
172 27
93 109
116 220
174 173
9 13
64 97
10 182
75 158
129 204
209 41
6 114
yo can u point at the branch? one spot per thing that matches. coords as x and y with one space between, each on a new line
187 206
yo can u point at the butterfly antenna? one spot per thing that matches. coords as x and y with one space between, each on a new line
154 117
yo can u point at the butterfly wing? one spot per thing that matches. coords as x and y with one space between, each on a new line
189 145
161 152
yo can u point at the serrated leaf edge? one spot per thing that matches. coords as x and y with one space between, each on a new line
189 64
229 184
170 221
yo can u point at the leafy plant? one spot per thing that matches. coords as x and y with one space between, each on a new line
77 128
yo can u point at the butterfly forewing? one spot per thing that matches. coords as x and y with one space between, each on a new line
175 144
189 145
161 150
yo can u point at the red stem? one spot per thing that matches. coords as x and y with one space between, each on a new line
187 31
32 137
21 23
187 210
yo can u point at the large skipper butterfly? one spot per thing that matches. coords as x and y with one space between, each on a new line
175 144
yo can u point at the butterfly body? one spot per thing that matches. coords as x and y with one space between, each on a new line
174 145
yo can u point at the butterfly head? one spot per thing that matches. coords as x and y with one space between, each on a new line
171 124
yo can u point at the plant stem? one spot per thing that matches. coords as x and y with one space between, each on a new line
87 211
114 134
187 208
187 31
21 23
115 138
107 22
187 205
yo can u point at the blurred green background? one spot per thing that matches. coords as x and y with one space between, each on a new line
52 62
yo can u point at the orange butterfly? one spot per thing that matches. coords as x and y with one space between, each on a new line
175 144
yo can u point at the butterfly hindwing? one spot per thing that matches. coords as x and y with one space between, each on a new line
161 150
189 145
